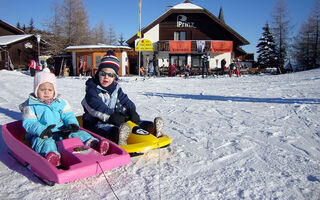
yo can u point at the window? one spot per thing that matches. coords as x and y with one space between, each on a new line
98 61
178 60
89 64
3 56
180 35
195 61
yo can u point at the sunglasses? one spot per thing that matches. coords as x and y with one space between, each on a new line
103 73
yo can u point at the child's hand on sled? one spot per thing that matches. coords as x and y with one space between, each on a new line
117 119
133 115
73 127
47 133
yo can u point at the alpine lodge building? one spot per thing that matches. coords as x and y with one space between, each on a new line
182 35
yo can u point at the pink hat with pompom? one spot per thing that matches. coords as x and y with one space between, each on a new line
42 77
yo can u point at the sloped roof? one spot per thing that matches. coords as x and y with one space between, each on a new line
98 46
192 8
10 28
9 39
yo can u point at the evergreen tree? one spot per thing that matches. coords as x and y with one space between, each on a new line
31 26
121 40
267 49
18 25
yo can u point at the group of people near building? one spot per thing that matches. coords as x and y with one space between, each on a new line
233 68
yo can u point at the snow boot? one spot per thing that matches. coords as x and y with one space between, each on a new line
53 158
124 133
103 146
158 126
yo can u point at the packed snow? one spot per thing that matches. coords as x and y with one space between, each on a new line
252 137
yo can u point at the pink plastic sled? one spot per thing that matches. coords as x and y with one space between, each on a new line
77 160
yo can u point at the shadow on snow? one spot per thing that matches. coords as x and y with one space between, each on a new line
235 99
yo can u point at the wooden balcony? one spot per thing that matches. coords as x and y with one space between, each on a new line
163 45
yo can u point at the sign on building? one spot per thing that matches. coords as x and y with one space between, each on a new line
144 45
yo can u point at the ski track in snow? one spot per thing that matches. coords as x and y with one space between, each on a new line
253 137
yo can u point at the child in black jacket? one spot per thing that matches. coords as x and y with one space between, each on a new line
107 107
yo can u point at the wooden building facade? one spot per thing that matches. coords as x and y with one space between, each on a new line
17 49
86 58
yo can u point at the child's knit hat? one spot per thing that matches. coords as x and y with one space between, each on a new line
42 77
110 61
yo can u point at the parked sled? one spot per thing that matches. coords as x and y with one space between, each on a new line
137 144
78 161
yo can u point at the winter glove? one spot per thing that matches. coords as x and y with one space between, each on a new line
117 119
46 133
134 116
73 127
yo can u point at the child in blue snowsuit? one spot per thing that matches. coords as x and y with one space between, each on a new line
107 107
45 113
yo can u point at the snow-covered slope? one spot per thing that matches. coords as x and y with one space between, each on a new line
253 137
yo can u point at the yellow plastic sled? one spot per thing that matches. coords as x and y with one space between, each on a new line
140 143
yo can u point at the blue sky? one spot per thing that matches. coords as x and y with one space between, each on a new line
247 17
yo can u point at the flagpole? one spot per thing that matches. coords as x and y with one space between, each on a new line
139 34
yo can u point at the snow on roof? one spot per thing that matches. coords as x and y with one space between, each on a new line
186 6
98 46
8 39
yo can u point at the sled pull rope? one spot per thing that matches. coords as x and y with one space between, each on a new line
107 180
159 171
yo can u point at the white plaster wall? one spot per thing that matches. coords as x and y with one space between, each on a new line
152 34
124 62
189 60
163 59
215 60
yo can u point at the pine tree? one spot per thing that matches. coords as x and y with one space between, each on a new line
267 49
121 40
18 25
31 26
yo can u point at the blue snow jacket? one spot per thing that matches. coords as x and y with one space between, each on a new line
99 103
37 116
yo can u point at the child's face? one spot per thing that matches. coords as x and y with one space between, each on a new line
106 76
45 91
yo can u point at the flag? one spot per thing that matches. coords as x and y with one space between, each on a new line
139 31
